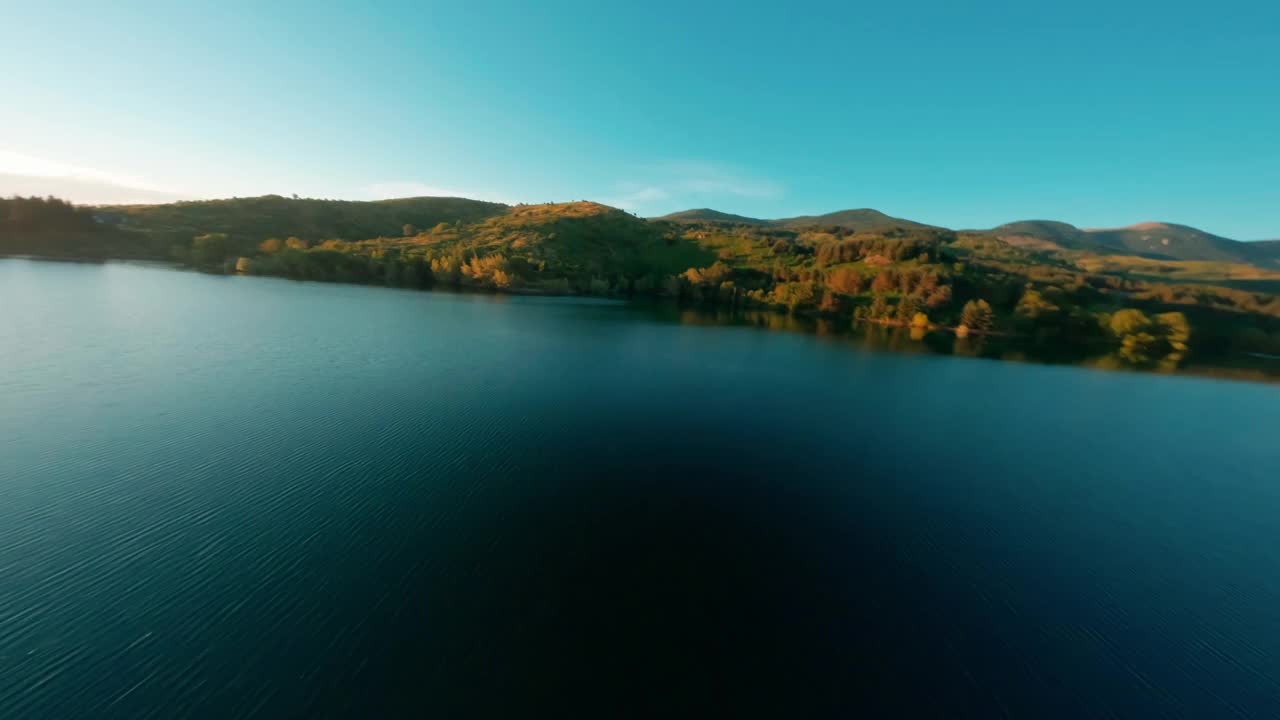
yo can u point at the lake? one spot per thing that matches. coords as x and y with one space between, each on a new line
231 497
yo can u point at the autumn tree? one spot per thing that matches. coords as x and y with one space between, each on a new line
1143 340
795 294
1035 308
830 303
880 308
845 280
908 306
940 297
885 281
977 316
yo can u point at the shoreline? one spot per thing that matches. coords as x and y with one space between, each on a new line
1015 346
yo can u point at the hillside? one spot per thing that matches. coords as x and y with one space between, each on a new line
1165 240
1039 234
1043 279
701 215
1265 253
1154 240
258 218
855 220
577 242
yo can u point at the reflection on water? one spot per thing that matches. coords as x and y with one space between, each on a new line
889 338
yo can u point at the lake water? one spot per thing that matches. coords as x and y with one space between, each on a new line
232 497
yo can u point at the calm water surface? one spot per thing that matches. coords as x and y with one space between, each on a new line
241 497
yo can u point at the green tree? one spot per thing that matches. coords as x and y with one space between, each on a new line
795 295
1162 340
1035 308
1128 322
211 249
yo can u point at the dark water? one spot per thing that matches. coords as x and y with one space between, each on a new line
234 497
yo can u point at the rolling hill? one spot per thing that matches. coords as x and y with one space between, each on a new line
577 238
258 218
1151 240
1265 253
1039 234
1156 240
701 215
1064 281
856 220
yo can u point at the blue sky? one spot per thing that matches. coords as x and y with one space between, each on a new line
960 114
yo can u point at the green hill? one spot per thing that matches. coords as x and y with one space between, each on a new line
1035 278
701 215
258 218
1161 241
576 242
1264 253
1039 234
1165 240
856 220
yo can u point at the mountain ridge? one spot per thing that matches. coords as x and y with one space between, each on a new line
316 219
856 219
1151 239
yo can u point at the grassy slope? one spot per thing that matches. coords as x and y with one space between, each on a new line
1162 241
585 247
1171 270
580 238
586 239
259 218
860 219
705 215
856 220
1265 253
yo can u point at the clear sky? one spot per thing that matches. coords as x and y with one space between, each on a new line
964 114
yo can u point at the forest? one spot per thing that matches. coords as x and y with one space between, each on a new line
918 277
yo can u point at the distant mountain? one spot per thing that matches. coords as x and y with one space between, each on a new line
1177 242
1265 253
253 219
1152 239
708 215
855 220
1039 234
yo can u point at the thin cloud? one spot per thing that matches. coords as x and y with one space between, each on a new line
691 183
24 169
712 179
83 191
